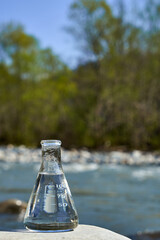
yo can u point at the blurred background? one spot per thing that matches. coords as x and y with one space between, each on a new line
86 72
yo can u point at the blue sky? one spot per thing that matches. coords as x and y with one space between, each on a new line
46 21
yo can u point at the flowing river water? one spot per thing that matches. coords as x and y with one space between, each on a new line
122 198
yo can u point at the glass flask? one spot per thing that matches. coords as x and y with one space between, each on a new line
51 206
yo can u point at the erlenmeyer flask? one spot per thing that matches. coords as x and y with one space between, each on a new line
51 206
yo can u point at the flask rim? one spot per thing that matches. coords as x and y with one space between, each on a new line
49 143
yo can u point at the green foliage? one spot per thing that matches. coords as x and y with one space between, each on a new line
120 81
36 91
110 100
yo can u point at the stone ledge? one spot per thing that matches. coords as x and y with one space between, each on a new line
82 232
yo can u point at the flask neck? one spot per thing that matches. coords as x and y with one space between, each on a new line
51 158
51 154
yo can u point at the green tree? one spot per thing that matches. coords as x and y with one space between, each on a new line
36 90
110 99
118 80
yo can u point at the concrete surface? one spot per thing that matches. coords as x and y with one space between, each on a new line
82 232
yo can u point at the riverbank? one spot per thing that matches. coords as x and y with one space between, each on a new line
22 154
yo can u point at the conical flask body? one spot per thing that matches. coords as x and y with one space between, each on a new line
51 206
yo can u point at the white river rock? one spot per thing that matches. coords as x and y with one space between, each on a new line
82 232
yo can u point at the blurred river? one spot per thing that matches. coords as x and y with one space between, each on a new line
125 199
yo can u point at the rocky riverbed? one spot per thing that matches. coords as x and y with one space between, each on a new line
22 154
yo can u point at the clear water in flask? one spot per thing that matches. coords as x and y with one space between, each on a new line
51 206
